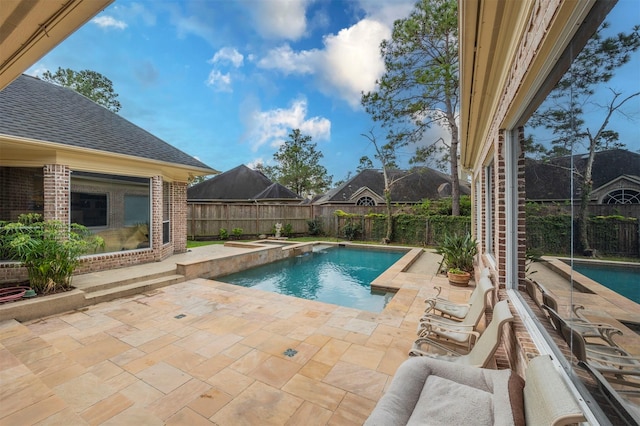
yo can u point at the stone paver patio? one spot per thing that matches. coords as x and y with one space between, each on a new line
205 352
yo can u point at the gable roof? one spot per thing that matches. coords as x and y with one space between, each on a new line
34 109
412 186
241 184
276 191
549 179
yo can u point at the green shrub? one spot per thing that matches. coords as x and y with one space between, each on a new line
237 232
50 250
315 226
223 234
352 230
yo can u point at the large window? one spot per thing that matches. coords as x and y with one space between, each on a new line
166 213
136 209
591 112
365 201
116 208
622 196
89 209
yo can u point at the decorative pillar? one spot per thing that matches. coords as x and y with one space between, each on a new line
179 217
57 192
156 217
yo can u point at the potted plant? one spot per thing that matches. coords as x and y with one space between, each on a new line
458 252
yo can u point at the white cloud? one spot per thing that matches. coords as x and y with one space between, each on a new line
349 64
273 127
352 61
280 19
36 70
257 161
219 82
105 21
228 55
287 61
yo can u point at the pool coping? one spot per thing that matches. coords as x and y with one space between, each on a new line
385 282
585 284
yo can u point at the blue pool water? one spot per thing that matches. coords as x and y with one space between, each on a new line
337 275
623 280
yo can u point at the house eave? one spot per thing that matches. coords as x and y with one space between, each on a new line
30 29
26 152
492 32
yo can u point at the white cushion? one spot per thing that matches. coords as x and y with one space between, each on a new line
445 402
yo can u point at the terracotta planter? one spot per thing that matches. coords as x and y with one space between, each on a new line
461 280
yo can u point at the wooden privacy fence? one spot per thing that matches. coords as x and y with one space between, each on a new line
205 220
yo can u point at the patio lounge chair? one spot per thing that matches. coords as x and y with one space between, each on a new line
627 411
459 332
427 391
447 308
589 330
616 364
482 352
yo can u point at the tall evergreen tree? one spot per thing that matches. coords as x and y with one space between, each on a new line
420 86
298 166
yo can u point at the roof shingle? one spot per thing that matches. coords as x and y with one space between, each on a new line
35 109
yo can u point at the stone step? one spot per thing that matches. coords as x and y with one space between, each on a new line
140 286
105 280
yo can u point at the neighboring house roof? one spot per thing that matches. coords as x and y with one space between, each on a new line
239 184
34 109
276 191
549 180
410 186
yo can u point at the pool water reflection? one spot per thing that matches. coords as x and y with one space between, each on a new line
337 275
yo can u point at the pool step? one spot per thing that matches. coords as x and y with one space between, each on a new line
140 286
104 280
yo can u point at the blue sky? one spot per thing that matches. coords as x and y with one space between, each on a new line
226 81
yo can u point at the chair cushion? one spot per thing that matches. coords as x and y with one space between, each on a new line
444 401
421 391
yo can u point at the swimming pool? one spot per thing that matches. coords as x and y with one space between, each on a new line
624 280
331 274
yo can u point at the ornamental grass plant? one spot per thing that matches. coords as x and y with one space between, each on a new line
458 251
49 249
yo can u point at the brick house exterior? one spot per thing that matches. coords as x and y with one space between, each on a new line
511 56
49 134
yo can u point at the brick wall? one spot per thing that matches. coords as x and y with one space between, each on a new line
57 187
21 192
179 217
518 345
56 184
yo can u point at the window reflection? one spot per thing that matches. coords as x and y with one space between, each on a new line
116 208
